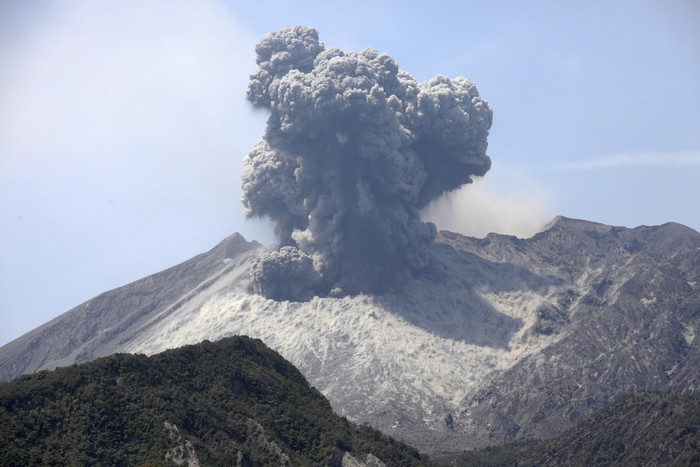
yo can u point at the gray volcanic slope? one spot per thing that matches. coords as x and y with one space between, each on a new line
500 338
101 326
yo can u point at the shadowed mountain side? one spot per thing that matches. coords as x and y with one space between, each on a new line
647 428
448 298
634 316
103 324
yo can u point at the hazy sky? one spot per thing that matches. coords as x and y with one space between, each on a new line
123 124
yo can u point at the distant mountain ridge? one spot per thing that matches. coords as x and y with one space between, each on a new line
501 338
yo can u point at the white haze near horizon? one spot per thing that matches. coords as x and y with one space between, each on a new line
123 125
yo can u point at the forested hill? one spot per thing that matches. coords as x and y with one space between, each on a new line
233 402
237 402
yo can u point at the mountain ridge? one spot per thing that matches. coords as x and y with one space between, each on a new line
632 304
499 338
69 342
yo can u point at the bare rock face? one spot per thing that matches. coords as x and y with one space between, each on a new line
498 338
627 315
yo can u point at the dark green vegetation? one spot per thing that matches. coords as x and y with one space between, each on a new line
648 428
236 402
230 402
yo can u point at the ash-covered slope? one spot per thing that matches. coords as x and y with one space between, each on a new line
499 338
102 325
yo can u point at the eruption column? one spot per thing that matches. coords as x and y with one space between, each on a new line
353 149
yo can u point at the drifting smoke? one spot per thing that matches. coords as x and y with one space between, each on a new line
354 148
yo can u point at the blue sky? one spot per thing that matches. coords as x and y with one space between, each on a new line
123 124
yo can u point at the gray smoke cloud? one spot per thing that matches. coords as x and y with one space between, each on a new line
354 148
287 274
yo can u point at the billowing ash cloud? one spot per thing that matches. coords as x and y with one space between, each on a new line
354 148
287 274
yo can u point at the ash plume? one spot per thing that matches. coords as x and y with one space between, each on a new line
287 274
354 148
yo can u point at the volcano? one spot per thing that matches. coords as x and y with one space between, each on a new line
498 338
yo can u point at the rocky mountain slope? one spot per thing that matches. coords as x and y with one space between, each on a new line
101 326
646 428
233 402
625 317
501 338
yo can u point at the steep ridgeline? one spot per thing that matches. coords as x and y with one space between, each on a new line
233 402
501 338
101 326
